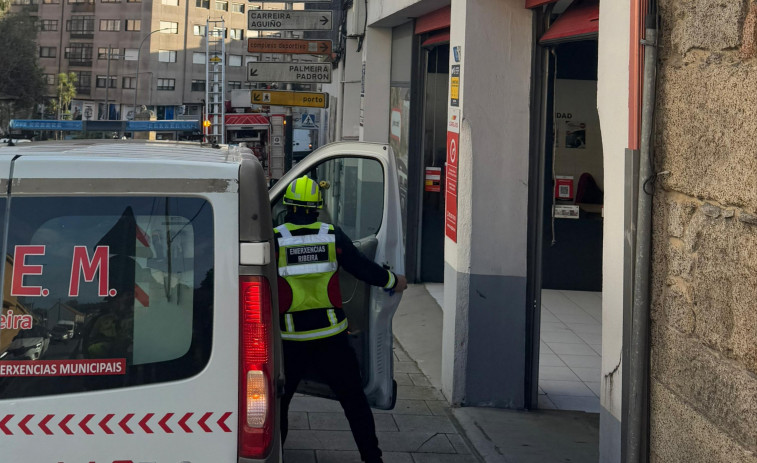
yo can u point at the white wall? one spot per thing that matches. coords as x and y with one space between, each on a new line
612 103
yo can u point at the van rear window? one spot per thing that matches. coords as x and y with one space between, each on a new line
105 292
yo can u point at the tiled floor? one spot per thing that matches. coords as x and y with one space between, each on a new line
570 356
571 348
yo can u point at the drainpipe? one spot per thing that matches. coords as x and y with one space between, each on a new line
637 444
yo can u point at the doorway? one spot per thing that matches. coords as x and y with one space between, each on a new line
570 349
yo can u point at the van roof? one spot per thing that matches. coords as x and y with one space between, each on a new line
128 149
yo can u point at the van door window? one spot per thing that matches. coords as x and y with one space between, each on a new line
353 194
104 292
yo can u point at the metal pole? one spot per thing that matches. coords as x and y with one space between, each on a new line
107 87
638 451
136 76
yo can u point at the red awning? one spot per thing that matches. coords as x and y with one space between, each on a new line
439 19
535 3
437 38
579 22
246 120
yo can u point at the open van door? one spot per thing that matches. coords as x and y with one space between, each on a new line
361 196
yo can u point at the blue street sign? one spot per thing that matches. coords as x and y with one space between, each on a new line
42 124
146 126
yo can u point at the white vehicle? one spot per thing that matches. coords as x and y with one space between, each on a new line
165 250
63 330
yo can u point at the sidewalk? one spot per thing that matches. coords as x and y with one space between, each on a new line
423 428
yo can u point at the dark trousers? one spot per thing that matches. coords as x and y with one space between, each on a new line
334 361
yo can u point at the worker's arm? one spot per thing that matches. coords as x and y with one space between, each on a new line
363 268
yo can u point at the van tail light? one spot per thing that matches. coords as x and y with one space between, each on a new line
256 390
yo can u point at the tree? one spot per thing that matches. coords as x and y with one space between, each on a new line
65 92
21 81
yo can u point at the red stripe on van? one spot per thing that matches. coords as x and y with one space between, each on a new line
143 423
83 424
125 422
22 425
104 423
163 422
64 424
3 426
43 424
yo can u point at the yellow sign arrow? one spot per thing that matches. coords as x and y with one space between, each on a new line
287 98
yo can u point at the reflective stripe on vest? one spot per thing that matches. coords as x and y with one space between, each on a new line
315 334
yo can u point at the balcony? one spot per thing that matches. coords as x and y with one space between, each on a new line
83 7
82 34
82 62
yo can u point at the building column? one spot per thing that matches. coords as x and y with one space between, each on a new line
374 101
484 338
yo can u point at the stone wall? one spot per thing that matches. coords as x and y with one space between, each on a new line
704 301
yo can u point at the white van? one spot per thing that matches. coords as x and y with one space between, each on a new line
165 251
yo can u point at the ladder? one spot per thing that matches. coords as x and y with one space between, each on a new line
215 80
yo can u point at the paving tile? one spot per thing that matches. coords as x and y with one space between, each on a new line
595 387
419 392
544 348
320 440
299 456
582 361
432 458
406 367
435 424
545 403
550 360
582 317
588 374
313 404
437 444
561 336
571 388
331 456
412 441
591 338
588 328
403 379
597 348
438 407
553 327
336 421
407 407
298 420
562 373
458 443
586 404
401 355
419 379
548 317
561 348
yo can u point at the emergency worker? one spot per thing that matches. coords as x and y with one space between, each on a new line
313 324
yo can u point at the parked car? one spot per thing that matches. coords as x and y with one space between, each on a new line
63 330
155 244
29 344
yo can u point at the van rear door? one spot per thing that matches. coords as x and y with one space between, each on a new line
131 248
361 196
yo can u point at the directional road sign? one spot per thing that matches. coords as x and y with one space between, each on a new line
290 20
290 46
319 73
287 98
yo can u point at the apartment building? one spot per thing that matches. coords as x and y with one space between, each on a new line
163 40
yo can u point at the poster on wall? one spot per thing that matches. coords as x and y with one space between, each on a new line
575 135
450 203
454 86
398 139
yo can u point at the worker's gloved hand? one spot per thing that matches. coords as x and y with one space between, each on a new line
401 283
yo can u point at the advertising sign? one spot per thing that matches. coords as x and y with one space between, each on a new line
453 142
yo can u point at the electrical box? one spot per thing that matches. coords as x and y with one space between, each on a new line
356 19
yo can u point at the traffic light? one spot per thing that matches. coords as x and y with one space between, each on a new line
206 123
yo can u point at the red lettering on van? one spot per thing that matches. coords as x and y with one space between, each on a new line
81 263
21 269
9 321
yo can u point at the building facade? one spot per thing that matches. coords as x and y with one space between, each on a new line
541 90
166 37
